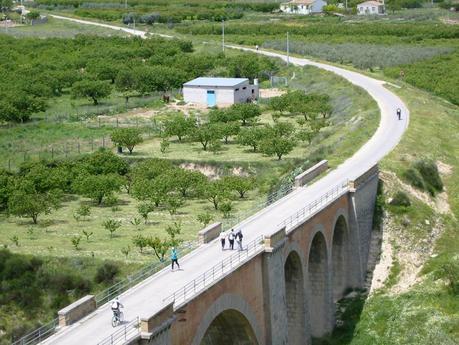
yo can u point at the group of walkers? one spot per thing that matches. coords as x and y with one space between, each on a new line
232 237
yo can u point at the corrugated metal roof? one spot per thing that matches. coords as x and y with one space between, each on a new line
204 81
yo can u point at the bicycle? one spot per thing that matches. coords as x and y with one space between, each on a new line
117 319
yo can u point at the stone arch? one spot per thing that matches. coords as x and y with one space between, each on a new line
229 320
295 298
318 285
340 259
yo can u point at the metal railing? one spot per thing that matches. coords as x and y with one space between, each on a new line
217 272
272 198
39 334
132 280
122 335
315 206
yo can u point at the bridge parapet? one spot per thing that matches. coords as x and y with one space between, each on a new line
274 240
77 310
311 173
362 179
209 233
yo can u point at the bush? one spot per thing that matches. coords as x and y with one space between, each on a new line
106 273
423 174
429 172
414 178
401 199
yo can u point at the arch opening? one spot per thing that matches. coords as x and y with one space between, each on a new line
294 293
340 258
228 328
318 285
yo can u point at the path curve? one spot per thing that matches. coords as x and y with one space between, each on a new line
146 298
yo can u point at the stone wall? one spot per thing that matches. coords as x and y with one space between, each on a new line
310 174
77 310
209 233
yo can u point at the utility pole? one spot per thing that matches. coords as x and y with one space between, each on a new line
223 35
288 50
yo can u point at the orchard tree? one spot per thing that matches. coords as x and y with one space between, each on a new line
205 134
215 192
18 106
251 137
245 111
279 104
104 162
180 126
127 137
278 146
104 69
204 218
144 209
228 130
93 89
97 187
184 180
111 225
239 184
126 83
140 242
26 201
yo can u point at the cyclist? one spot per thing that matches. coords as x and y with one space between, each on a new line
116 305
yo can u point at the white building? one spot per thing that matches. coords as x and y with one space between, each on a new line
303 6
371 7
220 91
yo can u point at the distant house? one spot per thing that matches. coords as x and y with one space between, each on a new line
220 91
303 6
371 7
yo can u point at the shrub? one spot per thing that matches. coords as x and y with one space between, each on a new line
401 199
429 172
414 178
106 273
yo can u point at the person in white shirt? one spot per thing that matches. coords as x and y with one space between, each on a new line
223 239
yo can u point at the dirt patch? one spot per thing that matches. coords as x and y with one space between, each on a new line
439 203
211 171
188 108
444 169
268 93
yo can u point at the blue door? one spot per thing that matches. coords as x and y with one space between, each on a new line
211 101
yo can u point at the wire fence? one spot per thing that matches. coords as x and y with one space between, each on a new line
39 334
316 205
74 147
123 335
217 272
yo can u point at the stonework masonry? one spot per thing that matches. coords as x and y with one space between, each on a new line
287 293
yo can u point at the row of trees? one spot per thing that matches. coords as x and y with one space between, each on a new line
38 187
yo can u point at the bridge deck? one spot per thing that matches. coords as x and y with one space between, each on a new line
147 298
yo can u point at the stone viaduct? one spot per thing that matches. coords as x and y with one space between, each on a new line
286 293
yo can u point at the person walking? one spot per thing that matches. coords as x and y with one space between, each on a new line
257 47
399 113
223 239
239 237
174 258
231 238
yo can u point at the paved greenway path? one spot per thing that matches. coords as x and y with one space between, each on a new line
147 298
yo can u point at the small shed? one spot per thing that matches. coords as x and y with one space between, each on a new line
371 7
220 91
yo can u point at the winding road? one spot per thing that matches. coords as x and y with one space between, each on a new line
147 298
